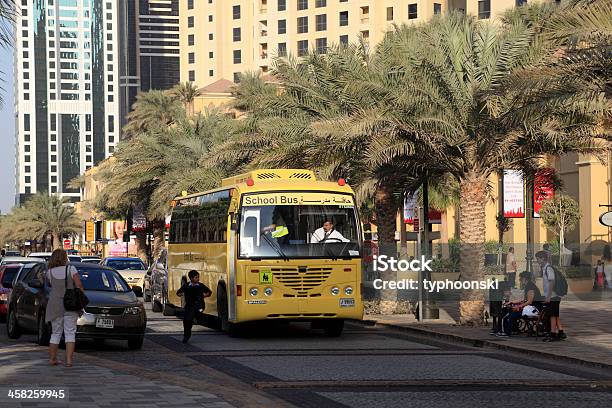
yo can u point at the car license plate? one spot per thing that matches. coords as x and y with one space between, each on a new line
105 323
347 302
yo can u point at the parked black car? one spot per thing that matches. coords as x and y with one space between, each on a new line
159 285
113 311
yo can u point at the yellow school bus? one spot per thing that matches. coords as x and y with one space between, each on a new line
271 244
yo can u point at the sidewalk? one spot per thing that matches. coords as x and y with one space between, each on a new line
588 325
25 366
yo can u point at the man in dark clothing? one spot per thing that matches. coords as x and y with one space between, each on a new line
194 293
496 301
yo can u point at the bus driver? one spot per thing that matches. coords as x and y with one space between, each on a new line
327 233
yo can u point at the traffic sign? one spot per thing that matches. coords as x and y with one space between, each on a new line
606 219
67 244
265 277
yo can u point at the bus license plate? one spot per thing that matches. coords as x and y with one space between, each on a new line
105 323
347 302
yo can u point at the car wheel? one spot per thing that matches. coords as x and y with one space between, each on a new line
44 334
13 329
135 343
334 328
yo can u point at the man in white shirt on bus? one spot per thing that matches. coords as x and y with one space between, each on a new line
326 234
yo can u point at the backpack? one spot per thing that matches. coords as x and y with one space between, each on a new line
560 283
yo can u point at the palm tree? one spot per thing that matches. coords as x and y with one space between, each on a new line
186 93
463 103
41 215
153 168
151 110
8 14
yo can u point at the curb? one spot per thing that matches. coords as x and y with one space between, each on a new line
486 343
528 383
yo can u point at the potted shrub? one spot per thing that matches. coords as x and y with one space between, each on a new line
579 278
495 272
492 248
444 269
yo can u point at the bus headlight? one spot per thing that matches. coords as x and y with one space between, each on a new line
253 291
348 290
335 291
268 291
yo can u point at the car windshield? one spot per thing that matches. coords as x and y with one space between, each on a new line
9 274
125 264
74 258
104 280
318 230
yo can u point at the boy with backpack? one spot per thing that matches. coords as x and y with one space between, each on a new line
555 286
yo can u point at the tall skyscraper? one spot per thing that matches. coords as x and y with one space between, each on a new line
66 91
79 65
149 48
158 44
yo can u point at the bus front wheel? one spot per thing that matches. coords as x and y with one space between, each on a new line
333 328
232 329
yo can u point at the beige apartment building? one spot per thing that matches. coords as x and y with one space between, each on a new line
220 39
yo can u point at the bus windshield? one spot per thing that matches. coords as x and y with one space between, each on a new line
299 231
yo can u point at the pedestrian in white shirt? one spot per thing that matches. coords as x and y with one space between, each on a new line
326 234
552 299
511 267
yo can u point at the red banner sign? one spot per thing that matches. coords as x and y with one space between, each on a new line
543 189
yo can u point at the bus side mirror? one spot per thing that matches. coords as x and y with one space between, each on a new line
234 221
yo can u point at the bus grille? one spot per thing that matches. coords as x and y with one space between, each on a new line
301 280
105 310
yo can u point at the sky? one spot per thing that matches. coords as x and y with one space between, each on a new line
7 132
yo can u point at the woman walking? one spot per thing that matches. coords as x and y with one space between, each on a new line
61 276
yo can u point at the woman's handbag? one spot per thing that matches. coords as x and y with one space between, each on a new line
74 299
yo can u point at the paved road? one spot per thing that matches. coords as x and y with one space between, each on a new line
293 366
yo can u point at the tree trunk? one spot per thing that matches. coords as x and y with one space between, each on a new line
472 220
158 238
57 244
385 221
141 246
